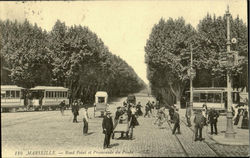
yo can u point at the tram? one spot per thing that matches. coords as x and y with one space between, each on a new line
47 97
11 98
214 97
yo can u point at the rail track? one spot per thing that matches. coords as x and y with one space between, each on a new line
182 145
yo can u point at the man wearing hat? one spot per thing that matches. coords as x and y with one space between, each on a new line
176 121
107 126
199 121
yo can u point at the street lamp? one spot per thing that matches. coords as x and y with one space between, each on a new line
191 74
229 130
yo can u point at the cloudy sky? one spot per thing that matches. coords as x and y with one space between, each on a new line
124 26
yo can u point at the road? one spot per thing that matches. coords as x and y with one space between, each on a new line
40 134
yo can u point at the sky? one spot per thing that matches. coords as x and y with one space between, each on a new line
124 26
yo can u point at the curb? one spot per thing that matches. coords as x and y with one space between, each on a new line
228 143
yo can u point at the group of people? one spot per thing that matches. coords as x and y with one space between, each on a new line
75 107
131 111
240 118
152 108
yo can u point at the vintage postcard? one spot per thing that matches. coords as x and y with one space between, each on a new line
123 78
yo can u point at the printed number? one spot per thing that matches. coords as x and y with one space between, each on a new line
18 153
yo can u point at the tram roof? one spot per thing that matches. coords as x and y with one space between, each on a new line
50 88
10 87
101 94
211 89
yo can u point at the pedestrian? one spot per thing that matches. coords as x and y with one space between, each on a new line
118 114
151 106
199 121
157 106
85 121
107 126
171 113
161 116
147 107
212 119
75 110
62 107
205 112
176 121
138 109
188 115
244 124
132 120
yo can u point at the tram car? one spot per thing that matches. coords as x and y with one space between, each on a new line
214 97
47 97
11 98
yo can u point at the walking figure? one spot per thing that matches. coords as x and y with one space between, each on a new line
138 109
176 121
147 108
199 121
75 110
85 121
107 126
212 119
132 120
188 115
62 107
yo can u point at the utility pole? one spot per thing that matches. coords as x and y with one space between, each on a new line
191 78
229 130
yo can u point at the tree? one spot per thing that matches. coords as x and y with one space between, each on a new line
167 53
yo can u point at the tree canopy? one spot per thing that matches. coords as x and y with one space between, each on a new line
168 55
72 57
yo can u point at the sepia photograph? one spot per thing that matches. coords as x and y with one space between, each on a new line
124 78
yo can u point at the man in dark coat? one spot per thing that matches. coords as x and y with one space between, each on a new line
75 110
213 118
147 108
132 120
171 113
62 107
138 109
107 126
176 121
199 121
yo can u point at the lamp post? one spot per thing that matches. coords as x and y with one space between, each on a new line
229 130
191 74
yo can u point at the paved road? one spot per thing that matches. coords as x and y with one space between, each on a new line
49 133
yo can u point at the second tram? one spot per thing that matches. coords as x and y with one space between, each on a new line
47 97
214 97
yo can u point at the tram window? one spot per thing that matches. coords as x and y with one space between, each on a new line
7 94
196 97
17 94
47 94
210 97
66 94
60 94
63 94
101 99
13 94
2 95
56 96
217 98
203 97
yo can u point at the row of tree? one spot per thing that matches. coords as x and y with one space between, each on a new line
168 55
72 57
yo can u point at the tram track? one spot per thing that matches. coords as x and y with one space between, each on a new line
218 155
178 140
183 146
